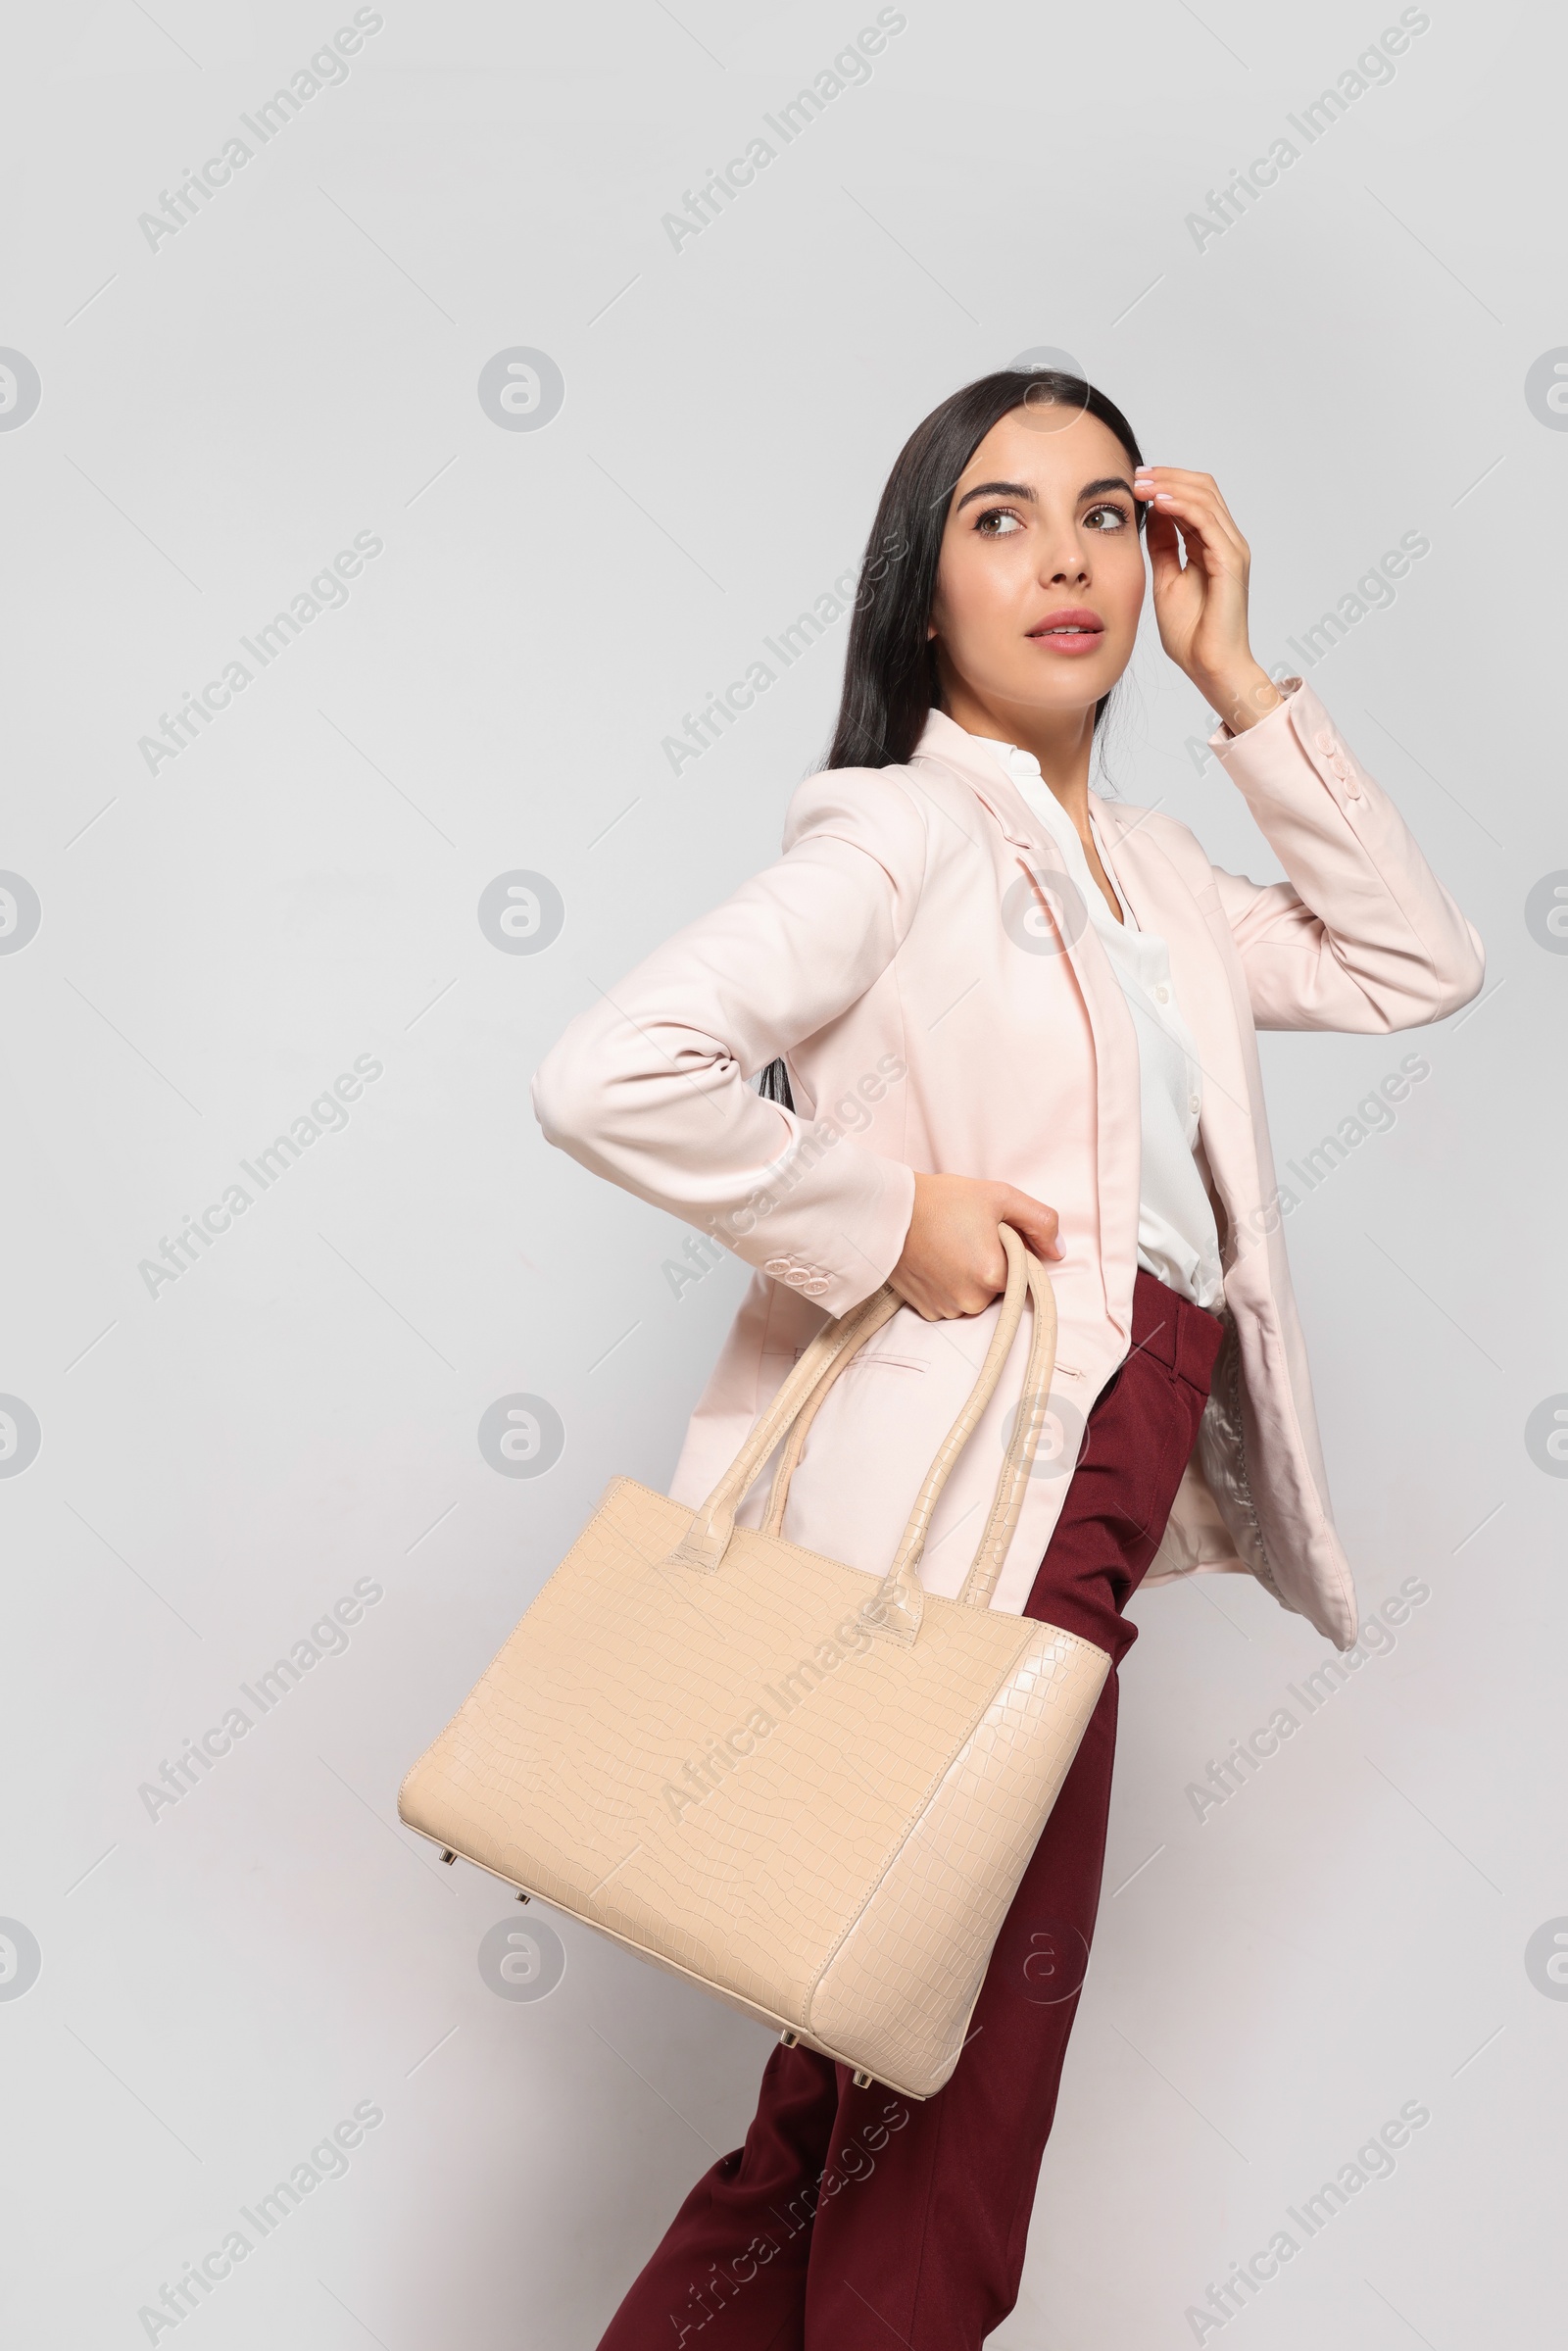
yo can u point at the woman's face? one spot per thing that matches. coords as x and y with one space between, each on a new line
1041 575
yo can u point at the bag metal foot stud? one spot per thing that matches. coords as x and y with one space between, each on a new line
448 1857
861 2080
525 1898
789 2040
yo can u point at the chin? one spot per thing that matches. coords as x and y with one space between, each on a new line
1076 691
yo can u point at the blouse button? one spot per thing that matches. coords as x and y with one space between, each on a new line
1163 992
1194 1104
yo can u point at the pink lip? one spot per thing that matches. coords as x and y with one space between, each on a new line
1076 616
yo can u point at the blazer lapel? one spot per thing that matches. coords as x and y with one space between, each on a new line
1031 857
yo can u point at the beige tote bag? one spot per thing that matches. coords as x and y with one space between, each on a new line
811 1791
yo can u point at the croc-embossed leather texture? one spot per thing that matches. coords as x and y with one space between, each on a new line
811 1790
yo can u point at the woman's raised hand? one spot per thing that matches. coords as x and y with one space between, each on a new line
954 1262
1200 605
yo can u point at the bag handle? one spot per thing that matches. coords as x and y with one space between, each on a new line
707 1540
798 1401
789 1461
904 1592
1017 1465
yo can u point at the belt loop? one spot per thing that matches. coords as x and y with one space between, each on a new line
1182 1335
1199 1336
1156 1324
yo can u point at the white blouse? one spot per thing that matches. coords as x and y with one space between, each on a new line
1177 1238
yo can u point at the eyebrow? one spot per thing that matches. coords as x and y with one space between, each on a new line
1021 489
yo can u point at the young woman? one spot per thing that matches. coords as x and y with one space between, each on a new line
978 994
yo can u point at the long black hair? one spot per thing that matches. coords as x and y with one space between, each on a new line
890 680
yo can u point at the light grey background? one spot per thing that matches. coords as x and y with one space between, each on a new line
221 1462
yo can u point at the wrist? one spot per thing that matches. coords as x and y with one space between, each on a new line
1241 697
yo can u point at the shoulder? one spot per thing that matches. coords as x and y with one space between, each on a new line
884 811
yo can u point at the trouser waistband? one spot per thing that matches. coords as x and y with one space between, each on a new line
1175 1332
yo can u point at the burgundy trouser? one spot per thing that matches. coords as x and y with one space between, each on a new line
855 2219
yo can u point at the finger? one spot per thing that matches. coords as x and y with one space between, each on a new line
1156 482
1036 1225
1194 506
1198 515
914 1293
1199 486
987 1268
1207 550
1033 1219
1178 477
1163 541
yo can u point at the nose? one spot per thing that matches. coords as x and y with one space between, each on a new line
1064 566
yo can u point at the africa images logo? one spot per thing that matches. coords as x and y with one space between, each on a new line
20 389
521 389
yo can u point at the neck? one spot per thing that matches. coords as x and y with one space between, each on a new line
1062 741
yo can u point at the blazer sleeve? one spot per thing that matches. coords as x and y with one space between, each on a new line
1362 935
648 1087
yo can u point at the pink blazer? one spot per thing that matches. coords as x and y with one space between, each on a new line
914 956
